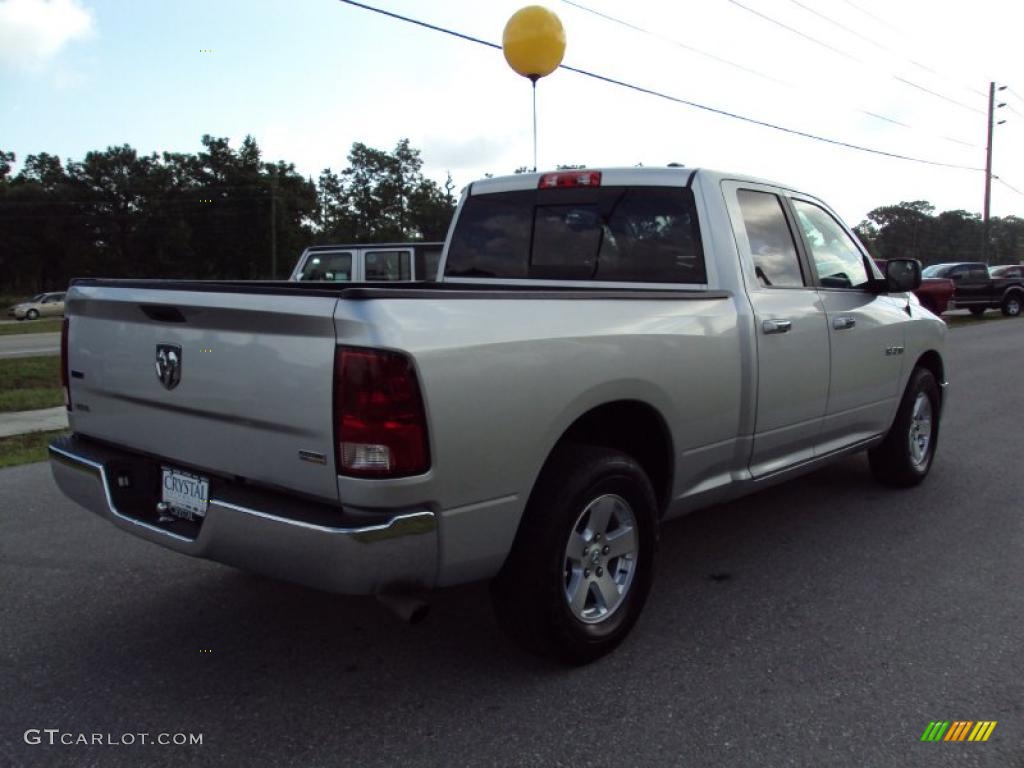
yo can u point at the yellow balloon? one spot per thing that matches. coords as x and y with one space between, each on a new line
533 42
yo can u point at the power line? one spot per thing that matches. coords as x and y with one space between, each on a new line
1016 95
850 56
1008 185
667 97
905 34
786 83
676 43
879 19
797 32
881 46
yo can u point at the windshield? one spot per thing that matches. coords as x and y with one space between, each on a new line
935 270
35 299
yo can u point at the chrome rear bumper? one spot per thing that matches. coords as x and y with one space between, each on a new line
363 553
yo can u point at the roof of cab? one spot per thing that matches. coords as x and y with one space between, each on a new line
614 177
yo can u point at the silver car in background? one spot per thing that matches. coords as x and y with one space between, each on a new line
40 305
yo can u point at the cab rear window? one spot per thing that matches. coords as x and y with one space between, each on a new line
620 234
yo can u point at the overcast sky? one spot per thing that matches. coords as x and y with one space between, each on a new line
309 77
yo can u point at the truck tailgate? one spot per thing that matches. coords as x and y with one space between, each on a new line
254 381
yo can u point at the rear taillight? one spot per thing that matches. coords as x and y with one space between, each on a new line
570 179
65 379
380 428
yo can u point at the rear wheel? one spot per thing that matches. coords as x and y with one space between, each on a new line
582 562
905 456
1012 305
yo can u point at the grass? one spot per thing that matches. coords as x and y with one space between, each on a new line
30 383
25 449
48 325
959 321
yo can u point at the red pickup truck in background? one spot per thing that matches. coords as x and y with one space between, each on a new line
935 293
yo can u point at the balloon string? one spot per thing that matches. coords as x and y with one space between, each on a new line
534 81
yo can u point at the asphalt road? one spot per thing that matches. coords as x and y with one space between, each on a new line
820 623
29 344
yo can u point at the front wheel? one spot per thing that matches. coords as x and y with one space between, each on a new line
582 562
32 314
1012 305
905 456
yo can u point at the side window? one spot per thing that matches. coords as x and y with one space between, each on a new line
387 265
771 243
837 258
335 267
977 274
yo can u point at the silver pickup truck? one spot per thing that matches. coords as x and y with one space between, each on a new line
606 350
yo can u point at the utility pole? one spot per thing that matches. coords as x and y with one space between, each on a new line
992 107
273 224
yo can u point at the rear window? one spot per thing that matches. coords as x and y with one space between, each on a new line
620 234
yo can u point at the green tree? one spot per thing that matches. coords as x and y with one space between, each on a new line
382 196
902 230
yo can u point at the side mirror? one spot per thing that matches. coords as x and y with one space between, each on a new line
902 275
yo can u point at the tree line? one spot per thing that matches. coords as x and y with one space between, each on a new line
914 230
225 212
220 213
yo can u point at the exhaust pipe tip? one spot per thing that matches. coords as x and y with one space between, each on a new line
409 609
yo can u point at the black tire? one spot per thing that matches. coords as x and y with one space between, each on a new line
530 592
1012 304
892 462
32 314
978 311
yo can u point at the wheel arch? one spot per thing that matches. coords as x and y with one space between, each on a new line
634 427
932 361
1010 291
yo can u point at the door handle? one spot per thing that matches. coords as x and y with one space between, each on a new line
842 323
776 326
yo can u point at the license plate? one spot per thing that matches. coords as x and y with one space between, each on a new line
185 495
